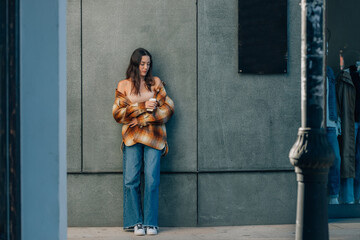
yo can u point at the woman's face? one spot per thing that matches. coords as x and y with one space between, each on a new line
144 65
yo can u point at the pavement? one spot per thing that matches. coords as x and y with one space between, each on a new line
344 229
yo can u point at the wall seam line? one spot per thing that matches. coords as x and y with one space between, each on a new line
81 88
197 115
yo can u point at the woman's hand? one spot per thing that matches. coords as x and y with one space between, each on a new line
151 104
133 122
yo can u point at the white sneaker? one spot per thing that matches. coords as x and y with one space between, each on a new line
151 231
334 200
139 230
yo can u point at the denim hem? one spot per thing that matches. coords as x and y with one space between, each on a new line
151 226
132 226
334 196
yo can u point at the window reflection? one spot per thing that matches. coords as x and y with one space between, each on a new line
343 100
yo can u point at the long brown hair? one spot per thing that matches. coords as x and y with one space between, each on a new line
132 71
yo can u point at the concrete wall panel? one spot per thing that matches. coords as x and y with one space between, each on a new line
178 198
111 31
245 121
96 200
73 86
247 198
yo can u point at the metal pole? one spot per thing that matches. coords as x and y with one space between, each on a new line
311 154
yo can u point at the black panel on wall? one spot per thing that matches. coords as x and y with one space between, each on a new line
263 36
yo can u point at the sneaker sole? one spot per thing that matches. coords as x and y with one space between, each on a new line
139 234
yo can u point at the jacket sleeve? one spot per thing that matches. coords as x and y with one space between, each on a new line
339 96
161 114
123 112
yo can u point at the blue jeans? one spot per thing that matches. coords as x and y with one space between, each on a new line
357 162
133 213
331 91
351 187
347 190
334 171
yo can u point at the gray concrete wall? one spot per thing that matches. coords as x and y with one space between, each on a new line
96 200
231 133
247 121
74 130
111 31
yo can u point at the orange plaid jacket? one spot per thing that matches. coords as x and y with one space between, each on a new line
150 130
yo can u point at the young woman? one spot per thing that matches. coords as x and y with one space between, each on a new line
143 107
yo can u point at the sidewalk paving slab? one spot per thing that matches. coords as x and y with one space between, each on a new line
339 229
